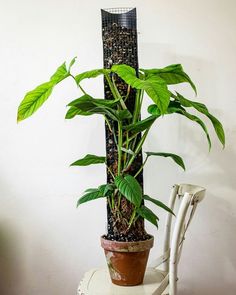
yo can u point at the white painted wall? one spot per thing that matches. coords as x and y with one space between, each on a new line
46 244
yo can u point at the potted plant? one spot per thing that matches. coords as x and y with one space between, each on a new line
126 257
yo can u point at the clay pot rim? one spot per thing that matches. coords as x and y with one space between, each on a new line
137 246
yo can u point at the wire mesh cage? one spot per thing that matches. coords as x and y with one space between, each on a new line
119 33
125 17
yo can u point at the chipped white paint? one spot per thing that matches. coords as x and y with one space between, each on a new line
113 272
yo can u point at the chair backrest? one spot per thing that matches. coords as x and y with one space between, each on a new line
189 195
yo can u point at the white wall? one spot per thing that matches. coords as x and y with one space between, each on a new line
46 244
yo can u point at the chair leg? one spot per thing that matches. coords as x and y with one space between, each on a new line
173 281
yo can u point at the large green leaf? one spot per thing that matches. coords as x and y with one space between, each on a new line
154 86
33 100
90 74
158 203
203 109
60 74
199 122
104 111
146 213
175 107
130 189
141 125
73 111
173 74
88 101
177 159
92 194
84 102
100 106
89 160
218 128
188 103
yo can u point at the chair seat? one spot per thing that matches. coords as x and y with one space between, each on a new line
98 282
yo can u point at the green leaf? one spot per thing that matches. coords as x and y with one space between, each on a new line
177 159
104 111
188 103
102 188
175 107
130 189
85 101
158 92
199 122
218 128
72 63
203 109
89 160
146 213
100 106
173 74
158 203
91 194
33 100
90 74
141 125
88 101
123 115
154 86
73 111
108 189
154 110
91 190
60 74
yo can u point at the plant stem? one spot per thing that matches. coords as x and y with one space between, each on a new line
114 135
132 218
118 93
120 135
136 113
126 146
80 87
127 94
111 86
141 168
130 139
113 176
109 202
119 199
138 148
108 123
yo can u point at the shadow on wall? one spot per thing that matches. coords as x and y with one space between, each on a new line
10 273
31 263
212 269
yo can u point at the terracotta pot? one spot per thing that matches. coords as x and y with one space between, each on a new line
127 261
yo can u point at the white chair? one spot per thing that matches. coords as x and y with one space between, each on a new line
156 281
